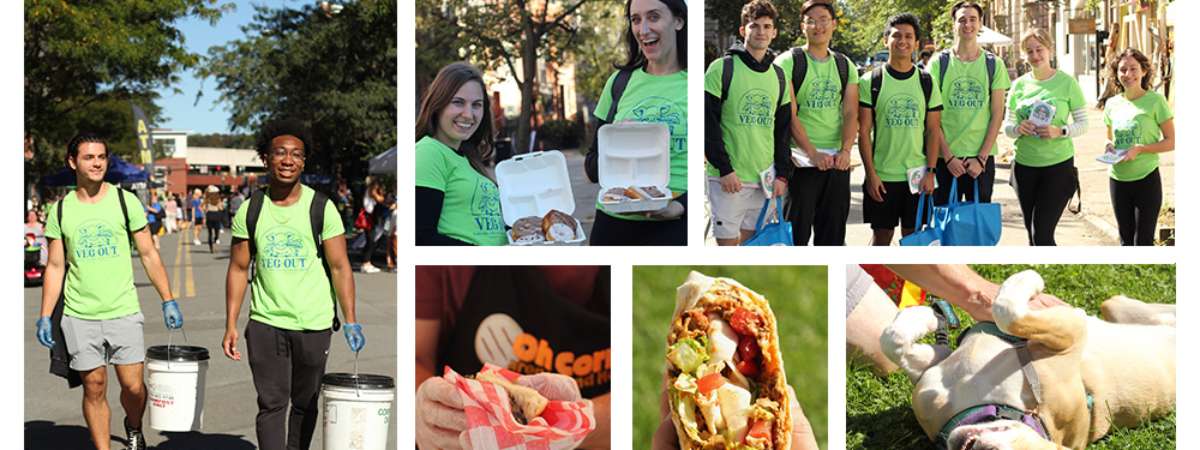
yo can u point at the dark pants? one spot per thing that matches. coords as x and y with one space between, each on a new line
966 184
820 205
609 230
286 366
1044 192
1136 204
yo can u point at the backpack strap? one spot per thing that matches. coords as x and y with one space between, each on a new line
256 204
782 83
990 61
316 218
618 88
943 66
876 86
799 68
843 68
124 215
926 86
726 76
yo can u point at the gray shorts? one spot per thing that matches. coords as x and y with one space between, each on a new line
94 343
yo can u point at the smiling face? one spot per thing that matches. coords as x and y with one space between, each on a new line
901 40
1130 71
461 117
818 25
1036 54
966 23
654 28
90 162
286 158
759 33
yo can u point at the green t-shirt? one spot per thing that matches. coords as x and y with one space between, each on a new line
99 283
967 101
1062 91
1136 123
899 125
471 206
657 99
290 289
747 117
819 102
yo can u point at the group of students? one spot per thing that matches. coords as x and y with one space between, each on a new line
208 209
91 316
457 198
917 131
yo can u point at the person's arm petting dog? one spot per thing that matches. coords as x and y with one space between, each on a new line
962 287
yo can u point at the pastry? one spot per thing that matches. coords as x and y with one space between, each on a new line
528 230
558 226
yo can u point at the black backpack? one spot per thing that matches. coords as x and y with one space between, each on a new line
618 88
316 219
800 69
727 79
944 63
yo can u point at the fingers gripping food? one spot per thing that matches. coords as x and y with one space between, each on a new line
724 371
526 402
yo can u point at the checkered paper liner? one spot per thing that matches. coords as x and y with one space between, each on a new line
490 423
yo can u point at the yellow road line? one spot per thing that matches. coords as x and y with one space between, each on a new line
175 270
190 285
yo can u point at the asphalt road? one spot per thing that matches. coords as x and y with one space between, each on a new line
53 419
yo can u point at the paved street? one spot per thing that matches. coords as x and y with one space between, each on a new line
53 419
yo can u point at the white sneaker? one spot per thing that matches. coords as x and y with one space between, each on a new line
196 242
369 268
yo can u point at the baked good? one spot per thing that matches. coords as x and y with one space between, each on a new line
652 191
528 230
614 195
558 226
633 193
526 402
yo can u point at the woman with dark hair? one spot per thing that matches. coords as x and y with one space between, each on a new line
650 87
1140 125
214 216
458 202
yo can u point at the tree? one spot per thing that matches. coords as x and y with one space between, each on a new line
86 61
335 71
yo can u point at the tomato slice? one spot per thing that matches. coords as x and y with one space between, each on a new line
709 383
747 368
748 349
744 321
760 429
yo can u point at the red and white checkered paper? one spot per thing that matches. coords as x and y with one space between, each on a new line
490 423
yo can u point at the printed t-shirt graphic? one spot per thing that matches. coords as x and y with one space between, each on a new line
290 289
99 280
1136 123
1061 91
819 101
747 117
655 99
967 99
899 127
471 206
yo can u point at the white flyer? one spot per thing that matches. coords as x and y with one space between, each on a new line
915 175
801 159
1041 113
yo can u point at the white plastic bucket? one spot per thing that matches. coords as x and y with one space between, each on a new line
175 387
357 410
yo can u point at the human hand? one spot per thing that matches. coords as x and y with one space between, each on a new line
44 336
1027 128
1049 132
1132 153
354 336
172 317
672 211
802 433
956 167
974 167
779 188
440 417
927 183
730 183
553 386
229 344
821 161
841 161
875 187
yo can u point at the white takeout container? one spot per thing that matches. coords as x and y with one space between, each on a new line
634 154
531 184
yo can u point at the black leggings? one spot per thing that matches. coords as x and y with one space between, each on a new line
1136 204
966 184
609 230
820 206
215 222
1044 192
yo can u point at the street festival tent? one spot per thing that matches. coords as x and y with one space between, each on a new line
384 163
988 36
119 172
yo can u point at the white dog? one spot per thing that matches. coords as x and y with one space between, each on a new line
1076 376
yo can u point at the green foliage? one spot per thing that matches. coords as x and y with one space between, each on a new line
879 411
561 134
798 298
338 73
599 47
85 62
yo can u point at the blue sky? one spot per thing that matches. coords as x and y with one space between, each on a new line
207 115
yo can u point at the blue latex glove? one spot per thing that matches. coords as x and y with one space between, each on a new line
172 317
43 332
354 336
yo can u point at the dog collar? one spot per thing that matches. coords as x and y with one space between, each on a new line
990 413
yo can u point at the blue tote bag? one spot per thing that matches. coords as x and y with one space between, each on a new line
971 223
929 232
771 234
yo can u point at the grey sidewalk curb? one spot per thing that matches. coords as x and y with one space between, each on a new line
1101 226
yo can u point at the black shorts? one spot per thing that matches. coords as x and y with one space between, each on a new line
154 227
898 205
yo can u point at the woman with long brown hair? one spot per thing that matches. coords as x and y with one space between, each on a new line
214 216
458 202
1140 125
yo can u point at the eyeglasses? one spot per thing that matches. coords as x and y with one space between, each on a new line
280 153
821 22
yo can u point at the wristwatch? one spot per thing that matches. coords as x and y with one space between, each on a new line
1064 130
932 170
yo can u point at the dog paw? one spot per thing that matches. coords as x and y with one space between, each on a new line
899 341
1013 300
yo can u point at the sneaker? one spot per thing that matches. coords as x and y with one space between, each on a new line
369 268
134 440
196 242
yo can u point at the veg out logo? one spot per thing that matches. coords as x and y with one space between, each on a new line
902 112
966 93
823 94
754 109
95 239
664 111
1125 132
283 250
485 206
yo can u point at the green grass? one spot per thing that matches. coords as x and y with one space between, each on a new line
798 298
879 413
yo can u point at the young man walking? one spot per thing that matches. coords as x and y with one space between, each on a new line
973 84
746 117
295 239
825 100
901 128
99 320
